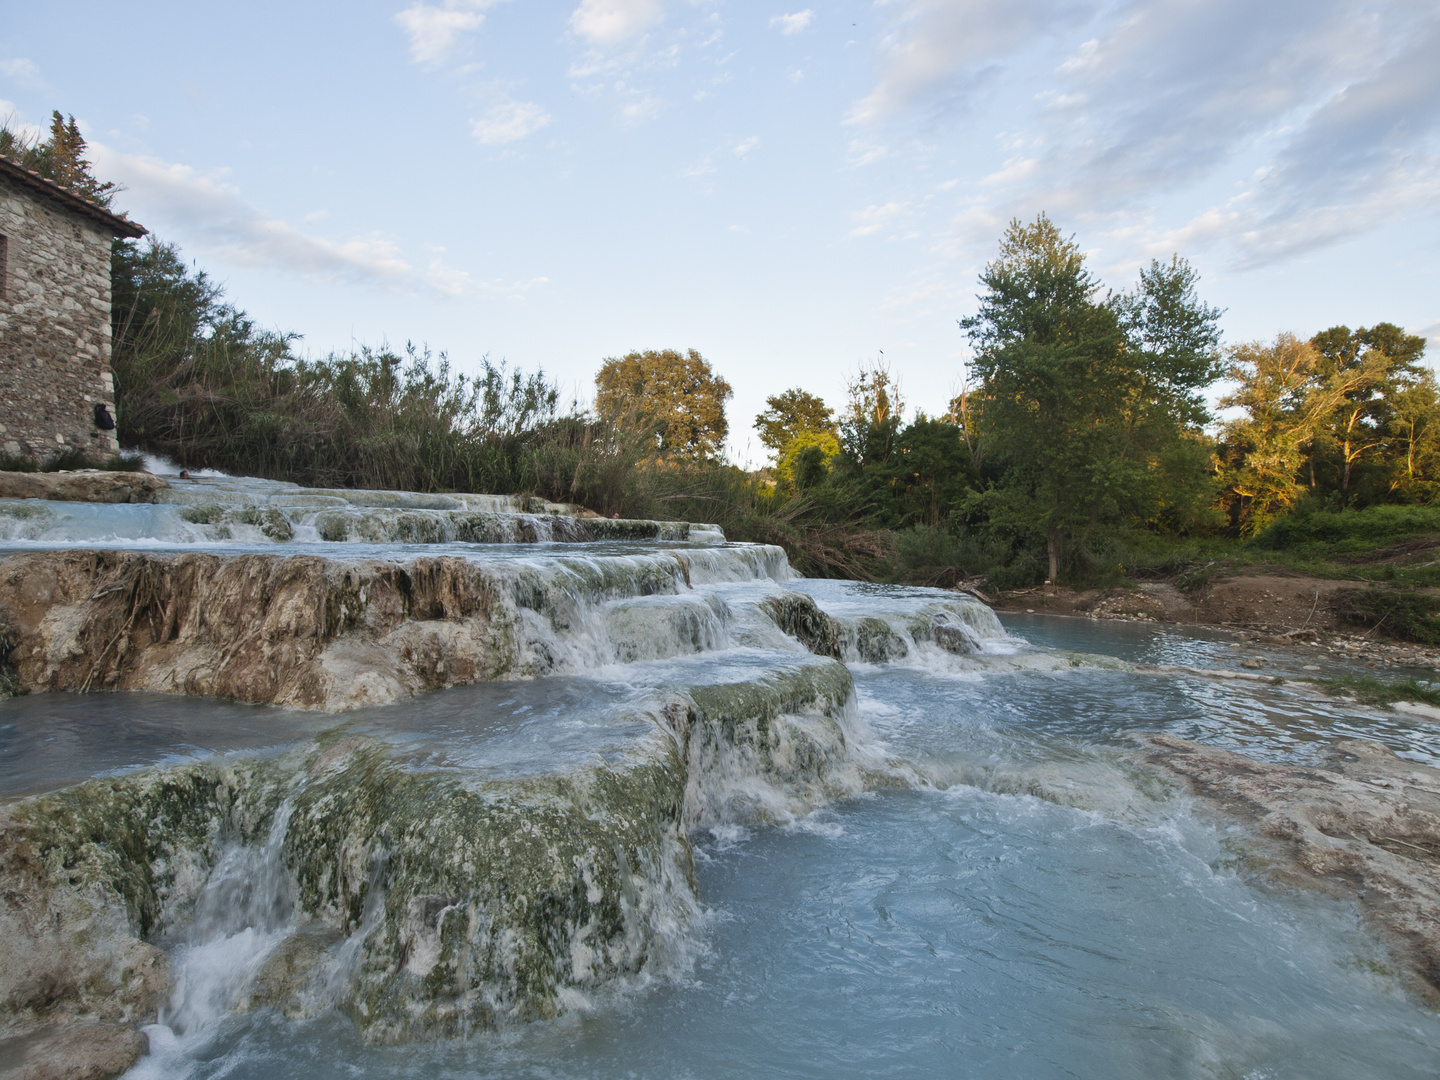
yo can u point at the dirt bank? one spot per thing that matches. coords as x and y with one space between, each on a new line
1365 824
1274 609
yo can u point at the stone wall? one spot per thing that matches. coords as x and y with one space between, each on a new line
54 327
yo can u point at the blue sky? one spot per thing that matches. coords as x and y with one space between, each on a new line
789 189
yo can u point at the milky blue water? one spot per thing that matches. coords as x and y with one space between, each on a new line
1027 908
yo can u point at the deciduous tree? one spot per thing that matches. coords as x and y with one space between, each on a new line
1263 449
1357 377
675 395
788 414
873 414
1082 398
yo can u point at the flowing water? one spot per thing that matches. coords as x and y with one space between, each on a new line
948 864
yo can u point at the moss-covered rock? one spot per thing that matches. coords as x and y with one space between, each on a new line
422 902
88 874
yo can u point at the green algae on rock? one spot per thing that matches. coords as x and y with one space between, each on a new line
421 901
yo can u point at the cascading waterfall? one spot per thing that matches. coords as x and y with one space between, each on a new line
547 836
233 513
244 910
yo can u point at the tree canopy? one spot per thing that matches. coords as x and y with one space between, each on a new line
1350 416
60 157
1080 434
790 414
674 395
1083 398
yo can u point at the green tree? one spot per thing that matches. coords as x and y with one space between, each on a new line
1172 342
789 414
60 158
804 462
1263 450
1081 398
1413 431
873 414
1357 378
930 473
676 396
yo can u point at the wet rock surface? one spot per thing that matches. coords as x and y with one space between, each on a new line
96 487
298 630
420 902
79 1051
1362 823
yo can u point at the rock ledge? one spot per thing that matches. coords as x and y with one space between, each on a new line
96 487
1364 823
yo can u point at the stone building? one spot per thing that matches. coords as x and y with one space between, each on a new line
55 318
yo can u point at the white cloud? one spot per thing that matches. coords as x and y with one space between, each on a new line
26 131
20 69
509 121
702 168
205 213
434 31
939 49
874 218
1326 114
446 279
610 22
744 148
865 152
640 108
793 24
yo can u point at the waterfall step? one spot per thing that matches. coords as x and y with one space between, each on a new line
136 509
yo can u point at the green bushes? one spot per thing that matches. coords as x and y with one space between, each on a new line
1360 529
930 555
920 503
1410 616
197 381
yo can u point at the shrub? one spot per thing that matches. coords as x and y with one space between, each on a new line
1401 614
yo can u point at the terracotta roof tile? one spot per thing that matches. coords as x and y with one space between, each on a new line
119 225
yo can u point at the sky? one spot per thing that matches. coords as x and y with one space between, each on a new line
791 190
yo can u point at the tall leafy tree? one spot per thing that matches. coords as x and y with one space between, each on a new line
1264 448
789 414
1413 430
1348 415
674 395
1357 378
1172 340
873 414
1082 397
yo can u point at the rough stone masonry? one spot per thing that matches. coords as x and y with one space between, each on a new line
54 317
